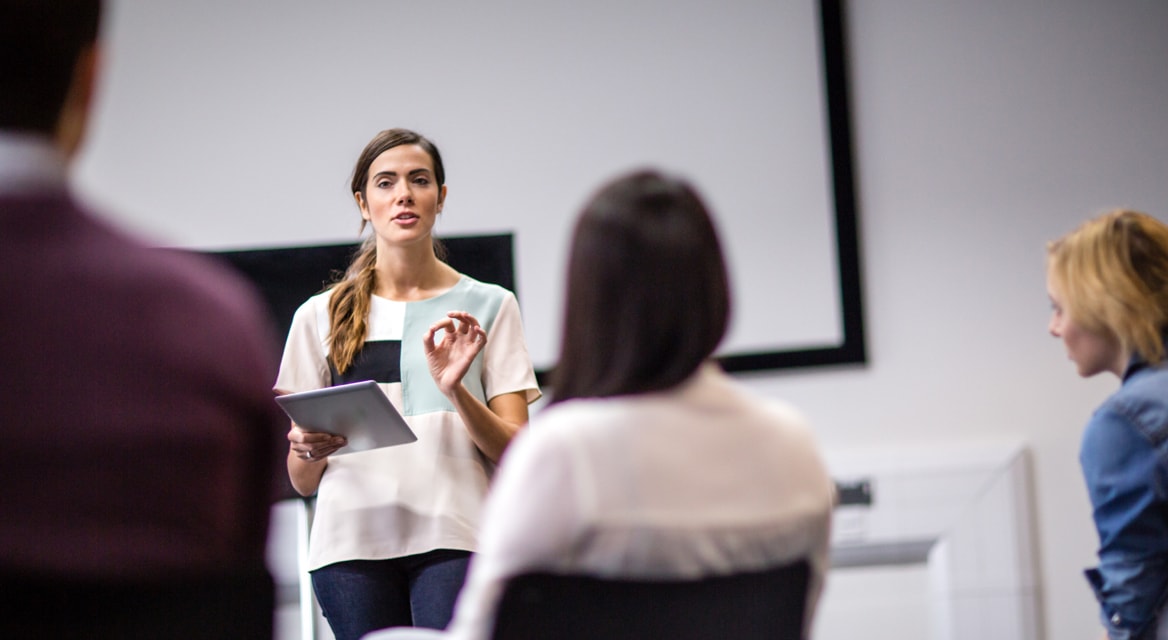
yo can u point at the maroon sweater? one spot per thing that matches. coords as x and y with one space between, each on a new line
138 435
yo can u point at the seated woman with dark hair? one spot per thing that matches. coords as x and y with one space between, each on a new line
649 462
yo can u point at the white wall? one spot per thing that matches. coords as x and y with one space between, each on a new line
533 102
985 128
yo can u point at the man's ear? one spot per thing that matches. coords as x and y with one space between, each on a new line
73 121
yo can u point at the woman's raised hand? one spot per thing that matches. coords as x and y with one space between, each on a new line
450 357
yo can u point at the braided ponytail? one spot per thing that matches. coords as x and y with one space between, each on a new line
349 307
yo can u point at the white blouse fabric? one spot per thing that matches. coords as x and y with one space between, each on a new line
704 479
428 494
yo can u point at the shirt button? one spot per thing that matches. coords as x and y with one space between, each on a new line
1115 619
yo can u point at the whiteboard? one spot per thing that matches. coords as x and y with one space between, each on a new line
233 125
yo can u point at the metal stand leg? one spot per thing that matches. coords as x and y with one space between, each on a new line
307 600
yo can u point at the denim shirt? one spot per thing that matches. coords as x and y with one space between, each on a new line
1124 457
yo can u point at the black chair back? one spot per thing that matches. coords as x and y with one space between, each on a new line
763 604
238 605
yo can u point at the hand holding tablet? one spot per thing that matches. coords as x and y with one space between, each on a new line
359 411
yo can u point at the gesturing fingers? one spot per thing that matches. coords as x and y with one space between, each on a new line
445 325
466 322
456 324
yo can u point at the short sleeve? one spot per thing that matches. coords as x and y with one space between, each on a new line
304 365
507 365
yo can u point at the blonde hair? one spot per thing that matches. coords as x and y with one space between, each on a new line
1112 272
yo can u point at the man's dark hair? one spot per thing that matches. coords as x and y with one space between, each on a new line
40 43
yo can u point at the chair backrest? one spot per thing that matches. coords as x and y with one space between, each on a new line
763 604
237 604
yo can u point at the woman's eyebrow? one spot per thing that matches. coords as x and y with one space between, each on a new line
394 173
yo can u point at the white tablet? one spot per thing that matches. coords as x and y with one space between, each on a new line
360 411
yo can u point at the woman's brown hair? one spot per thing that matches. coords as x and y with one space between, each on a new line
648 298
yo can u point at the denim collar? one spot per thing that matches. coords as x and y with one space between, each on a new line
1137 362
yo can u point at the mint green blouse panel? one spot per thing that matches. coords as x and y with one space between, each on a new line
420 393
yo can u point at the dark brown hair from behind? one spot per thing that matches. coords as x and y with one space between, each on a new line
40 44
648 297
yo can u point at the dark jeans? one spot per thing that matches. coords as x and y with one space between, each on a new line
359 596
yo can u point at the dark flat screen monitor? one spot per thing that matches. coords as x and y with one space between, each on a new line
287 276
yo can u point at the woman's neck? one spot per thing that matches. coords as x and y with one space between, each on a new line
412 273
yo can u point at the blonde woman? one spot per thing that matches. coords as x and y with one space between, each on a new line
1108 285
394 527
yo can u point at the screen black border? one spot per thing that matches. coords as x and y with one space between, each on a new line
852 349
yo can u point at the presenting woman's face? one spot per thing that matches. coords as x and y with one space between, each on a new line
402 197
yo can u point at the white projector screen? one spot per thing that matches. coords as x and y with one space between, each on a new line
234 125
